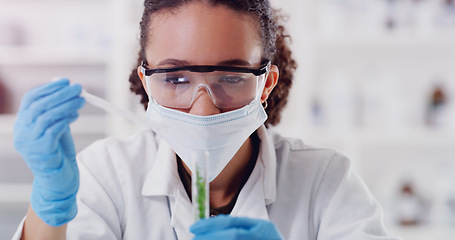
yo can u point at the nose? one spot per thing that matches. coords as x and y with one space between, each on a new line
203 104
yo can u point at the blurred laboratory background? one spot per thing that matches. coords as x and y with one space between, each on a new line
376 81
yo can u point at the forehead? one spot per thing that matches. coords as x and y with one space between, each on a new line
201 34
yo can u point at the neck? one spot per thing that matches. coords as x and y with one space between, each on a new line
232 178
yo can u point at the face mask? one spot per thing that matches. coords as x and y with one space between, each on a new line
221 135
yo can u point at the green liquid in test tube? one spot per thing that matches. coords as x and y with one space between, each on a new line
200 184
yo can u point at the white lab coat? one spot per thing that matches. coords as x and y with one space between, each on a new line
130 189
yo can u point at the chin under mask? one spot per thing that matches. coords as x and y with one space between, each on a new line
221 135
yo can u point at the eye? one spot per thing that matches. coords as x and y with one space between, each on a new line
176 79
232 79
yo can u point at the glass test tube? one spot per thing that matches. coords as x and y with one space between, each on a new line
200 185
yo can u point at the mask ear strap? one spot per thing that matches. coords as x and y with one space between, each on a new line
148 90
262 80
147 83
142 68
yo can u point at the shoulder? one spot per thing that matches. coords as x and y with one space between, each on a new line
306 170
295 153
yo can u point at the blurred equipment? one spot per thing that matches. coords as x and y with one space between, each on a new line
437 108
410 206
11 34
4 98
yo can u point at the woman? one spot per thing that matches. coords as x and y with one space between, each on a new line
206 71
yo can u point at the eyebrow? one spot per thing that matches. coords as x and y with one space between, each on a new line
235 62
179 63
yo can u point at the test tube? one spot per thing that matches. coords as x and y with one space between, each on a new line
200 184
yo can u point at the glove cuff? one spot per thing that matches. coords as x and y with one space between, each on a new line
54 212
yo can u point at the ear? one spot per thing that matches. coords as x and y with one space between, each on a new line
141 76
270 82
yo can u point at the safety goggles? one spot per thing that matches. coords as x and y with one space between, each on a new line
228 87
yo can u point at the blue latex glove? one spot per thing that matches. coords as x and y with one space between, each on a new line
42 137
239 228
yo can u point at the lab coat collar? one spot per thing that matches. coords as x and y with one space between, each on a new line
260 189
163 177
163 180
267 156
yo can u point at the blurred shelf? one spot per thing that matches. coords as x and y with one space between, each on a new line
406 41
86 124
48 55
368 136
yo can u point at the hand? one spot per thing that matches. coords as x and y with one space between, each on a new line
42 137
239 228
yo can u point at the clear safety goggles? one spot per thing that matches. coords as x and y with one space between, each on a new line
228 87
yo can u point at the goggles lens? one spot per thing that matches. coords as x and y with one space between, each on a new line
178 88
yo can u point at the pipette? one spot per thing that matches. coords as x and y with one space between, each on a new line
110 108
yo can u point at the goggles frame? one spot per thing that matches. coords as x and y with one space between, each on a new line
207 68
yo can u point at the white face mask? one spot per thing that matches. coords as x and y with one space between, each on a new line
221 135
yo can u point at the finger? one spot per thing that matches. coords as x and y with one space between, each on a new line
67 110
40 154
67 143
29 113
40 91
49 102
54 134
63 156
58 97
30 133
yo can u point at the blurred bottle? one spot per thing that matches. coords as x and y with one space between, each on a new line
391 20
443 193
445 19
410 206
317 112
450 203
436 114
11 34
4 96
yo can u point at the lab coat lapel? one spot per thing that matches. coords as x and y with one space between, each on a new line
163 180
260 189
163 177
267 156
182 214
251 202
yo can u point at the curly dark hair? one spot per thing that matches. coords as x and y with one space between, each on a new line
274 39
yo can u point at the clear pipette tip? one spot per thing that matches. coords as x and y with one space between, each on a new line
110 108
